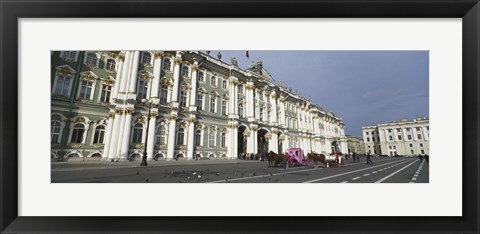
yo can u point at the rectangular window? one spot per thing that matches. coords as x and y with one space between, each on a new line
63 85
412 152
368 139
185 71
199 102
408 129
223 140
183 98
409 137
106 91
211 139
201 76
368 133
142 89
417 129
213 81
389 130
163 94
390 138
411 145
212 104
422 151
399 130
419 136
421 145
86 89
224 84
399 137
224 107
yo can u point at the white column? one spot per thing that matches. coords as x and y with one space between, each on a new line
193 91
231 93
273 102
112 152
126 134
125 72
171 136
191 136
176 79
108 134
151 133
133 75
286 143
231 140
282 111
235 138
275 141
249 87
169 95
118 78
157 68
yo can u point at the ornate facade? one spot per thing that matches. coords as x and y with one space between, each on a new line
181 104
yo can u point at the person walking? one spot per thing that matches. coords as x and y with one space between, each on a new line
369 161
426 157
420 157
354 156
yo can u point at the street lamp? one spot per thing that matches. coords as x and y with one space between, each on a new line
144 158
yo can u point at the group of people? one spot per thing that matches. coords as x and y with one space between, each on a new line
251 156
422 157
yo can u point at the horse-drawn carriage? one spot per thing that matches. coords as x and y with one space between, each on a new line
292 157
295 157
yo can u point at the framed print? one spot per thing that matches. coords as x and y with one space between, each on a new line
42 39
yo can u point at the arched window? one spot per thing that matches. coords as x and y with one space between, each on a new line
167 64
161 135
146 58
55 132
211 139
111 65
223 142
77 134
180 136
99 135
198 137
137 133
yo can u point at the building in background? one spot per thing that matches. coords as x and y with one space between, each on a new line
193 104
404 137
355 145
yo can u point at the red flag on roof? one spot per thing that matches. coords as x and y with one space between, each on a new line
246 54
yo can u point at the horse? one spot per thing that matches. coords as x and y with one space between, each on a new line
316 158
275 159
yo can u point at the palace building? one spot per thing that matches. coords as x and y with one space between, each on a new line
112 105
404 137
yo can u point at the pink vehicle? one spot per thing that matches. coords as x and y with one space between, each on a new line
295 156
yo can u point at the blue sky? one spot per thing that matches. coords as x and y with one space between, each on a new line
363 87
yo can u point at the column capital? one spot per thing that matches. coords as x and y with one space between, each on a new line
158 54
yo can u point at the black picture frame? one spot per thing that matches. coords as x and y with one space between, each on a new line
11 11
